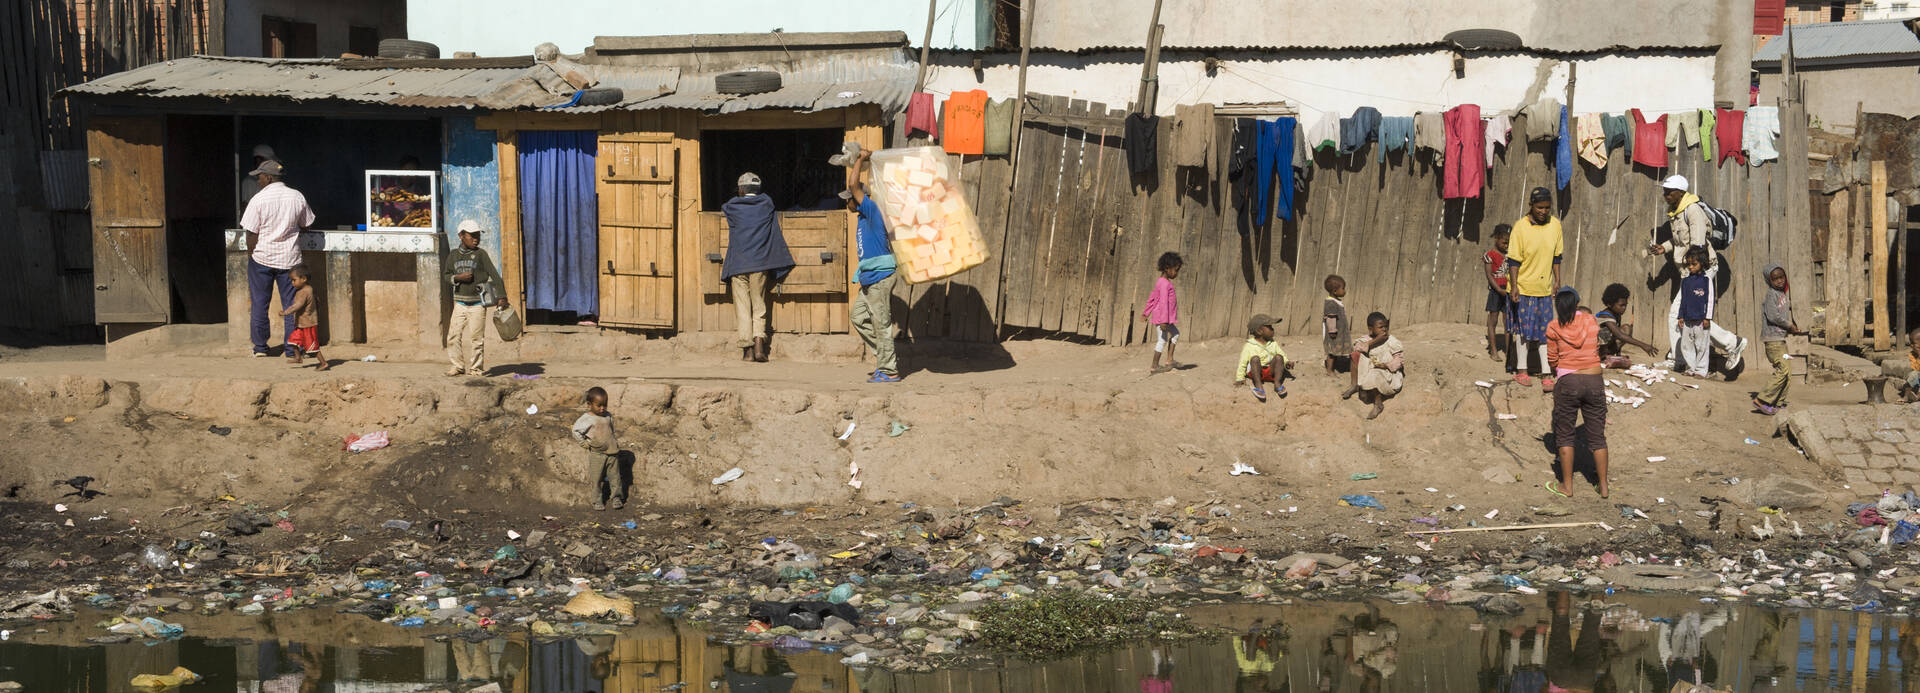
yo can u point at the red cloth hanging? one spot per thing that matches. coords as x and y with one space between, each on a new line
920 114
1728 124
1649 141
1464 170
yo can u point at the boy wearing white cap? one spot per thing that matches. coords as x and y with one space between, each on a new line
1689 224
476 287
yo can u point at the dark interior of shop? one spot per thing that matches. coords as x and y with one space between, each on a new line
792 165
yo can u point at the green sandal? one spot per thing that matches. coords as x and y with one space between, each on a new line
1549 487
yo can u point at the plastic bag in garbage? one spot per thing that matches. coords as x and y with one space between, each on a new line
180 676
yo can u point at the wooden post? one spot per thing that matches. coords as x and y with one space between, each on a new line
1150 66
1877 206
1838 214
1020 92
926 40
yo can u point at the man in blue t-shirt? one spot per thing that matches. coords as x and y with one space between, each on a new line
873 308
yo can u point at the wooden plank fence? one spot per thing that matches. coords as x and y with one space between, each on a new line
1076 237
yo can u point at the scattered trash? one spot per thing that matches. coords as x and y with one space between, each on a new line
155 557
1491 513
506 553
533 409
1506 417
800 615
1361 500
897 428
1751 441
730 475
401 525
1240 468
525 376
59 507
180 676
591 604
849 431
369 358
1363 476
1483 383
363 443
1656 458
219 430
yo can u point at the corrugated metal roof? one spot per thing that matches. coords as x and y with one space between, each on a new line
302 80
1842 42
841 80
636 84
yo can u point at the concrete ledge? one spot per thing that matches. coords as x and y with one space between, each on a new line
1841 362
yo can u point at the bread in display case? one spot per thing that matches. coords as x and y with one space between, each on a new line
403 201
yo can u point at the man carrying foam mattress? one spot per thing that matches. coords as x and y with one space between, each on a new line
873 309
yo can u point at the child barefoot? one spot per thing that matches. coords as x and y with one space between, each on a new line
1377 365
305 337
1335 334
1163 311
1776 323
1615 336
1261 360
1497 302
594 431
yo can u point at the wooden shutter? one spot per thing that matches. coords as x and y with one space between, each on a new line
637 229
1769 17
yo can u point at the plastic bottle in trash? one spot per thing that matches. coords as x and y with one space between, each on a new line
155 557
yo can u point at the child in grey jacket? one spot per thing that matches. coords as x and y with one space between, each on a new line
594 431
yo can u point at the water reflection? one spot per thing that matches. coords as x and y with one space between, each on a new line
1554 643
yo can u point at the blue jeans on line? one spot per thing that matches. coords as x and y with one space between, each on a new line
261 280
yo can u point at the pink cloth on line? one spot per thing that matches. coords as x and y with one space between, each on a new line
920 114
1649 140
1163 308
1727 127
1465 167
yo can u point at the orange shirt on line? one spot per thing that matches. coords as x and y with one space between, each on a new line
966 122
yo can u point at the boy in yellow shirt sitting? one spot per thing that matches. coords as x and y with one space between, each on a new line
1261 360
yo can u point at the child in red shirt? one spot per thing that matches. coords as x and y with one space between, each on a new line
1498 302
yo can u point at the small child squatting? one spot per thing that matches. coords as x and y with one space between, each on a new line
1163 312
305 337
1378 365
594 432
1261 360
1336 335
1616 336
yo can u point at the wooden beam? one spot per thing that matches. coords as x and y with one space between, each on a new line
920 78
512 269
1089 123
1877 254
1150 66
775 120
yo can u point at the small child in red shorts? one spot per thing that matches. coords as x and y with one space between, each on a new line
305 337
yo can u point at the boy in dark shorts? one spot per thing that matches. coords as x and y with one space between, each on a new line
1496 271
1336 335
1615 336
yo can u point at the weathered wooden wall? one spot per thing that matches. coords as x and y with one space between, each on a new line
1080 235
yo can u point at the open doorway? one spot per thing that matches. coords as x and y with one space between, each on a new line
199 211
792 165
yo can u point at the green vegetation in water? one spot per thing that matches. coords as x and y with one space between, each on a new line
1058 624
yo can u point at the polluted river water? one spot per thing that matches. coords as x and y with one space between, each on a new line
1556 641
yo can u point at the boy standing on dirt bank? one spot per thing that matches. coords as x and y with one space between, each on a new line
476 286
594 431
305 337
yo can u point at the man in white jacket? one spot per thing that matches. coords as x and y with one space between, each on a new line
1689 223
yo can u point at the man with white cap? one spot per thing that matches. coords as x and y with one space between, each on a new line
1688 222
273 220
757 258
476 287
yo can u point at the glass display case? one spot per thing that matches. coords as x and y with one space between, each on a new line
403 201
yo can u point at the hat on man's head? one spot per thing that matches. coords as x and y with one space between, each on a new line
1675 182
849 154
1260 320
263 151
469 226
268 168
749 178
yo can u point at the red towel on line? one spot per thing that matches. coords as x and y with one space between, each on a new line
1728 125
920 114
1649 141
1464 169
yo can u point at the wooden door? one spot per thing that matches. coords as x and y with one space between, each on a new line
813 298
637 219
127 175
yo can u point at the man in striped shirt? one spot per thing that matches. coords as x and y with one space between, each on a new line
273 220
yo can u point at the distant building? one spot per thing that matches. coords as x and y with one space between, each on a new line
507 27
306 29
1847 67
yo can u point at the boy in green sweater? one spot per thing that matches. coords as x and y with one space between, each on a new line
476 287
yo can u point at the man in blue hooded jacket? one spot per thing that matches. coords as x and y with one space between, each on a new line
757 258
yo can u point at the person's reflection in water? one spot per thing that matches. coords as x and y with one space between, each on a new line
1257 655
1161 680
1517 675
302 675
1574 663
1364 645
1680 648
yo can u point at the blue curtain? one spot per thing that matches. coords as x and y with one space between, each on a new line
559 221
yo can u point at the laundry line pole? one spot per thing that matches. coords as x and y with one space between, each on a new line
1150 66
926 40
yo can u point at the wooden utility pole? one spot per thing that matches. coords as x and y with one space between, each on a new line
926 40
1020 92
1150 67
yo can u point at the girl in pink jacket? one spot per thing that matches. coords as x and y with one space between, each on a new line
1163 311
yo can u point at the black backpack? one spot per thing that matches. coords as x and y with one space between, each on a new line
1724 226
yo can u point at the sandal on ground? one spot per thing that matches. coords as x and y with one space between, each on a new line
1259 394
1523 379
1550 487
879 377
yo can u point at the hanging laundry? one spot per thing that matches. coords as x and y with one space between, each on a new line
999 127
1763 123
1543 119
1360 129
1592 138
1689 128
1142 144
1464 175
1241 159
1563 152
1649 140
920 114
1430 131
1728 128
1192 135
1274 159
1302 157
1395 134
1498 128
1325 133
1674 138
1619 132
966 122
1706 135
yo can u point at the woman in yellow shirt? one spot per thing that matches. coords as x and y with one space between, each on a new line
1533 258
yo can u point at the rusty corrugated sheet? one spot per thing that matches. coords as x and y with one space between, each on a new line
63 173
869 77
302 80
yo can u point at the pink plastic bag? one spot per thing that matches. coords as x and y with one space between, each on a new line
363 443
